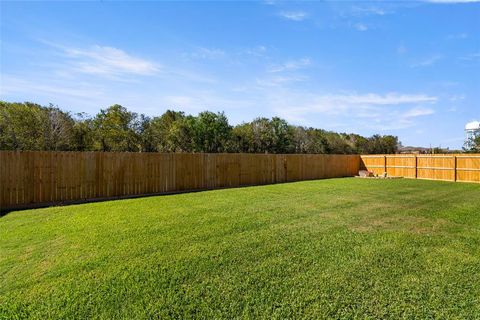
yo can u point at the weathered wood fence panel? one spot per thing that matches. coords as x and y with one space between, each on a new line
448 167
28 179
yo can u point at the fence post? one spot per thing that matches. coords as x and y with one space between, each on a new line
455 168
385 164
416 167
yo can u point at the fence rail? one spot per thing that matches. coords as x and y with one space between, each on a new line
29 179
454 167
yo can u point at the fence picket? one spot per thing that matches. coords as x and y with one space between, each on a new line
35 178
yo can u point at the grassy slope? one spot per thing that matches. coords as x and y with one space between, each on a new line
329 248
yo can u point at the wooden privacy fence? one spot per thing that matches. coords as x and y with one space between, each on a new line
29 179
448 167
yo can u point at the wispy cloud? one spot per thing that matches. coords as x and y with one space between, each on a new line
457 97
427 62
372 110
417 112
291 65
451 1
361 27
115 64
368 10
206 53
470 60
258 51
293 15
376 99
14 85
458 36
108 61
278 80
471 57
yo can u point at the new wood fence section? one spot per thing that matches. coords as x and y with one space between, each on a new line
29 179
448 167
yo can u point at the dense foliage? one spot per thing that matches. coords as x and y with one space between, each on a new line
472 145
29 126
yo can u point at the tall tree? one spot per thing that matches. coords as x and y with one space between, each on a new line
472 145
58 129
20 126
268 136
242 138
29 126
171 132
83 134
211 132
116 129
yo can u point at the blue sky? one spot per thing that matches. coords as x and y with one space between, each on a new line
410 69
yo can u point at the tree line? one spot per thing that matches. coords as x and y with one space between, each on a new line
30 126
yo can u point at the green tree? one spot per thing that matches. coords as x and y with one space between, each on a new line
472 145
242 138
116 129
211 132
337 143
271 136
58 129
29 126
171 132
20 126
317 142
83 133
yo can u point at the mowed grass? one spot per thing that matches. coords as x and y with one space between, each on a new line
339 248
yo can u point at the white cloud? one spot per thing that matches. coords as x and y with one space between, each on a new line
194 101
258 51
361 27
293 15
401 120
279 80
370 10
471 57
458 36
102 61
376 99
206 53
291 65
452 1
15 85
109 61
471 60
427 62
447 84
452 109
371 110
417 112
456 98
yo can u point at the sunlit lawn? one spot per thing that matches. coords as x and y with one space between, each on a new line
338 248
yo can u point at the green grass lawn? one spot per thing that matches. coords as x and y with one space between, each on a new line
339 248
